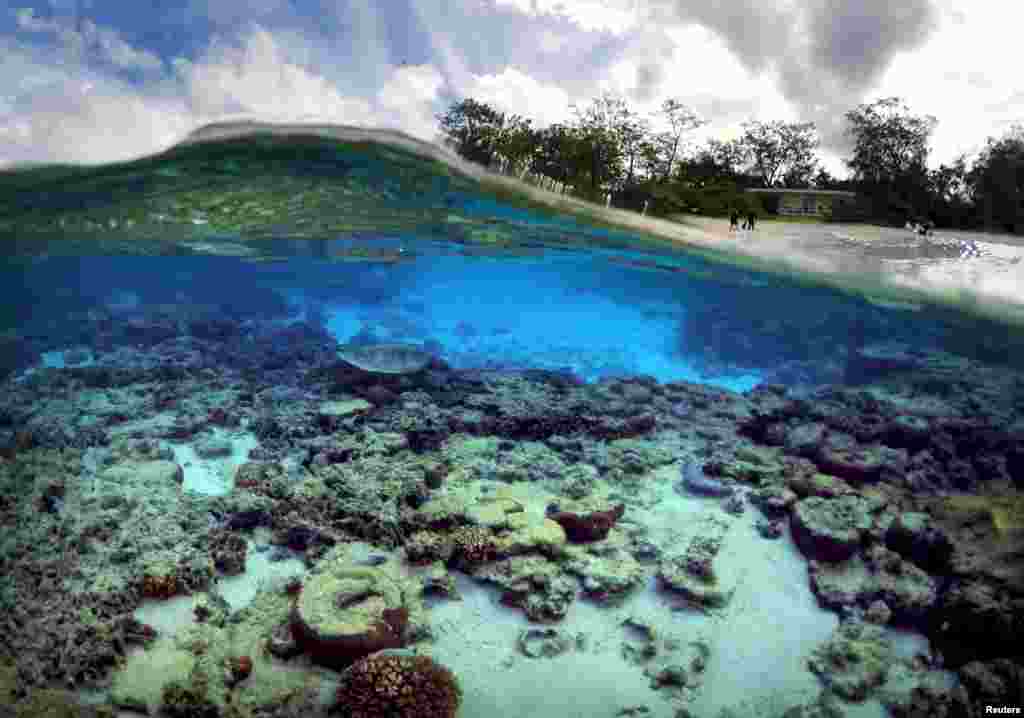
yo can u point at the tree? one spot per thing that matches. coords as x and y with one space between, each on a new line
779 150
889 156
600 128
823 179
516 143
556 154
633 135
681 119
997 181
472 128
887 140
950 204
731 157
948 183
800 175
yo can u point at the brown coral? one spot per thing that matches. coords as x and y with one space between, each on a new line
237 669
584 528
399 686
228 551
341 651
160 587
474 544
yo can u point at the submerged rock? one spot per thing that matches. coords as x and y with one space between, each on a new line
692 574
830 529
880 575
854 661
915 536
543 642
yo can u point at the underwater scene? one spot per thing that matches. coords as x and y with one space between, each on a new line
329 422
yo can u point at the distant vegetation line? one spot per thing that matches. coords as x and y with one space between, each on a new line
609 149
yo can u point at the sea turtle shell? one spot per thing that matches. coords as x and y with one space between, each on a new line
385 358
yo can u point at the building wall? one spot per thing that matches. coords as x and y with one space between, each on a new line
805 204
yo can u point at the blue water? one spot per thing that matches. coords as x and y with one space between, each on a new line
572 311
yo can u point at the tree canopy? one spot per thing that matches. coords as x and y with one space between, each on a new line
888 140
607 147
781 152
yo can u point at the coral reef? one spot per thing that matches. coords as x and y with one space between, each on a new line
400 685
347 612
587 527
831 529
854 661
473 544
692 574
903 493
160 587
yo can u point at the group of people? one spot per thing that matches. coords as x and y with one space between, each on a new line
968 248
734 220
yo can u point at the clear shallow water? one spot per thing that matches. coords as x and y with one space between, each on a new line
186 314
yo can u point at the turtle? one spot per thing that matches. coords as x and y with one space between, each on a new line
385 358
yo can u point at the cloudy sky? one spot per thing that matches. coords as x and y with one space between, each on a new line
103 80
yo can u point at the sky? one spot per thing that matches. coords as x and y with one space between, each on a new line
95 81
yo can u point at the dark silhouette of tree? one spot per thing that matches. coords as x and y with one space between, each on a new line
472 128
608 147
996 182
889 157
781 152
888 140
681 119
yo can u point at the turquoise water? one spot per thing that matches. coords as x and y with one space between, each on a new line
182 424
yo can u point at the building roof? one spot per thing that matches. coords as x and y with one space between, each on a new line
783 190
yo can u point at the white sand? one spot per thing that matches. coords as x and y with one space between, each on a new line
214 476
176 613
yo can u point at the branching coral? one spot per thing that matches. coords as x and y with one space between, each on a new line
400 686
474 544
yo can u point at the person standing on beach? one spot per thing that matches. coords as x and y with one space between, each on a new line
734 219
751 218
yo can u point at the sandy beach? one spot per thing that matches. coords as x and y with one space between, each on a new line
864 254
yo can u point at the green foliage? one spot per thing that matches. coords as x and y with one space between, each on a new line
781 151
888 140
997 181
681 119
608 147
473 129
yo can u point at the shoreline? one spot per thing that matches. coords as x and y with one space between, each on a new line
777 227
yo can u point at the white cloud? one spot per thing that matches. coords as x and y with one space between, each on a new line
408 98
531 57
257 78
514 92
966 76
75 113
